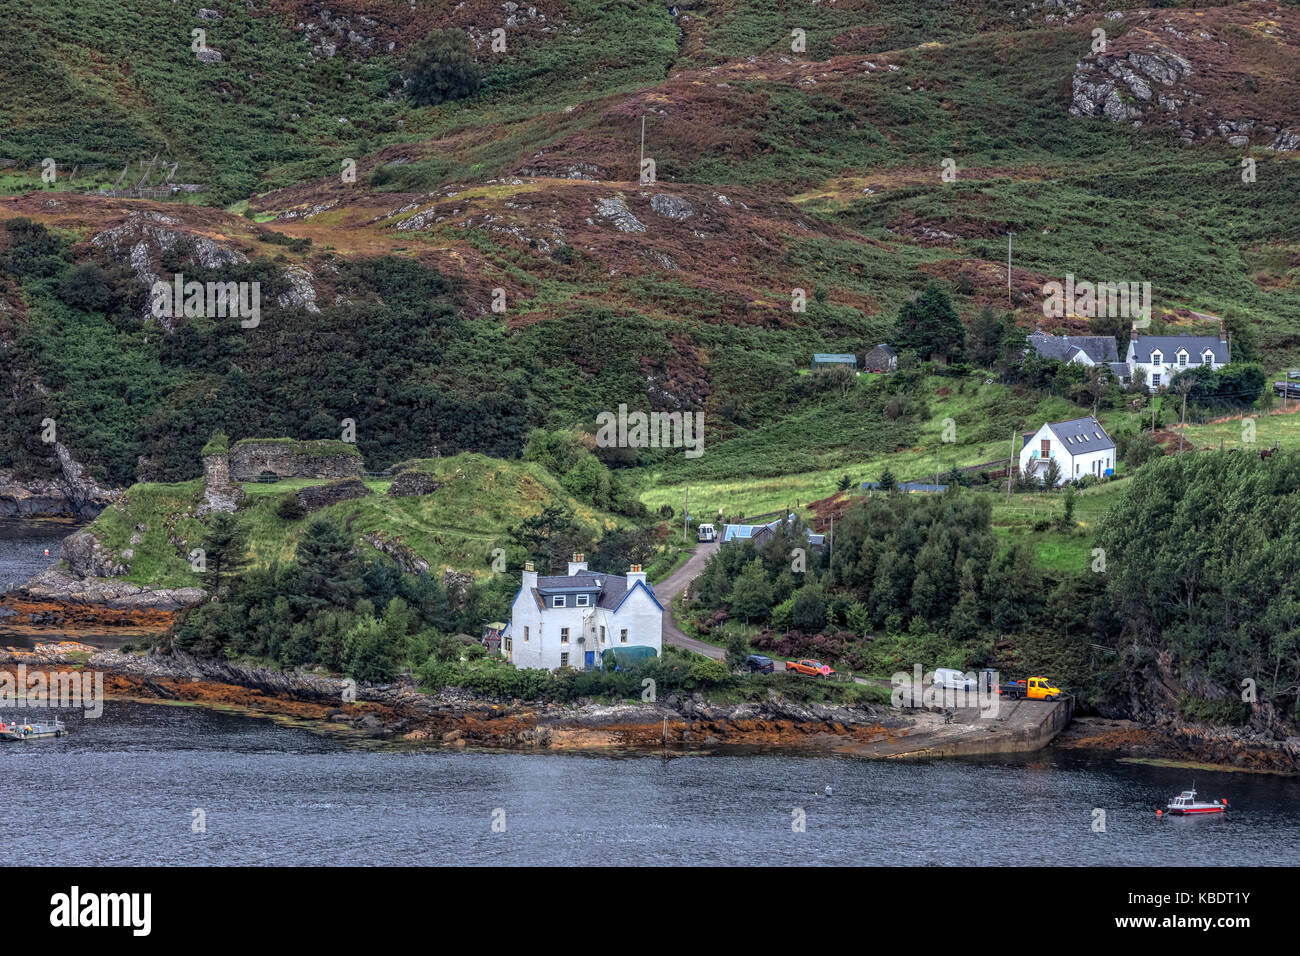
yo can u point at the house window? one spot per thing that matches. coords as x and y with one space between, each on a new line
1155 380
1182 359
525 633
1076 467
558 600
1157 358
564 660
582 600
509 644
1045 448
602 634
564 635
1207 358
622 636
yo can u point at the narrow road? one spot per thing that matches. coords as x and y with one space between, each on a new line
671 586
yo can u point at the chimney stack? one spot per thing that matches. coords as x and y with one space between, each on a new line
1223 333
579 563
635 575
530 576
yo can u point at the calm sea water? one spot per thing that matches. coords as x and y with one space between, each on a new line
122 789
23 545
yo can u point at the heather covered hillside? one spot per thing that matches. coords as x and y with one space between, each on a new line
452 275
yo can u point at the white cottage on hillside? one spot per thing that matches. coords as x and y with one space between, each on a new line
570 620
1163 356
1079 447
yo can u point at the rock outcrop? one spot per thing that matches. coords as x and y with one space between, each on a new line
1227 74
74 494
412 484
314 497
395 548
86 557
143 237
55 584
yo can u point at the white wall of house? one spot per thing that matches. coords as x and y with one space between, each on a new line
1164 366
1073 464
553 637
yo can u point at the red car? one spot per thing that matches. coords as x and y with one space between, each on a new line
810 667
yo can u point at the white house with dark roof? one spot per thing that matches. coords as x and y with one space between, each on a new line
1076 349
1079 447
1164 356
571 619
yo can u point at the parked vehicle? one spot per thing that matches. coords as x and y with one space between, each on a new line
706 532
759 664
1035 688
809 667
950 678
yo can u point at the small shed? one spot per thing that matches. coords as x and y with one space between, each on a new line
492 636
880 359
833 359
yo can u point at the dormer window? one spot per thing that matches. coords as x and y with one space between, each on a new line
1157 358
1182 358
558 601
1207 358
582 600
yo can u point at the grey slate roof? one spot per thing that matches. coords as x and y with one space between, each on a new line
1080 435
1120 369
1099 348
1168 345
612 587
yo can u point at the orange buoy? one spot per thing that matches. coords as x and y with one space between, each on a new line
1159 813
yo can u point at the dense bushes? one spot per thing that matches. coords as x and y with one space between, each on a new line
441 67
1201 554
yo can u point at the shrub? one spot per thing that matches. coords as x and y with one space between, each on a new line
441 67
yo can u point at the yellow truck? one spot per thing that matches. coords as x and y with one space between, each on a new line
1035 688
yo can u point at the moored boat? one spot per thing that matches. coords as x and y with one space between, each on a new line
1186 804
10 730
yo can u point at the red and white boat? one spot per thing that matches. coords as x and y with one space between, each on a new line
1186 803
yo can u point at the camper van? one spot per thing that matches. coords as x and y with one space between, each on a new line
707 533
950 678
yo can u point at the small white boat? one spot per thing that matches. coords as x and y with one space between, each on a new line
1186 803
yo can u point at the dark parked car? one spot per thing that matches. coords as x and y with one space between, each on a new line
758 664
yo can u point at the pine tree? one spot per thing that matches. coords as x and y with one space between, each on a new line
225 548
327 571
751 597
931 326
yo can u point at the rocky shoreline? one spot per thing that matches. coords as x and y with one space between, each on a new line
401 712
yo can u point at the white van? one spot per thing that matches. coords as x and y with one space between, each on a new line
950 678
707 533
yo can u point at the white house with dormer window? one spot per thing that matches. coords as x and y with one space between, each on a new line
1164 356
571 620
1079 447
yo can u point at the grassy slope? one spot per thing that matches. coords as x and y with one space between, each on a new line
457 526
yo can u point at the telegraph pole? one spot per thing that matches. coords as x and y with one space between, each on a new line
686 515
1009 235
1010 458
